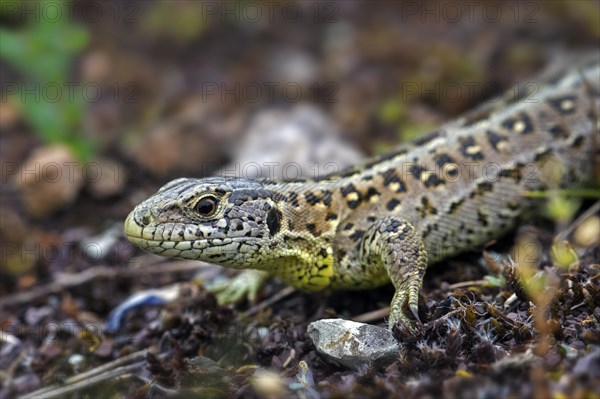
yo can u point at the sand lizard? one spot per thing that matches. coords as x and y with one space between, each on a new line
390 217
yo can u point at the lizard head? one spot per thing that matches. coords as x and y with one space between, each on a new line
227 221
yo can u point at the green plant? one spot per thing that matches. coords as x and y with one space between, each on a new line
43 51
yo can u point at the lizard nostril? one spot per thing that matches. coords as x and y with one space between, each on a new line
146 220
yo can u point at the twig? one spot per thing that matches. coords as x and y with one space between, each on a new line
269 301
373 315
463 284
116 368
73 280
55 391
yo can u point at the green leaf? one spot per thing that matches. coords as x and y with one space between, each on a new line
43 52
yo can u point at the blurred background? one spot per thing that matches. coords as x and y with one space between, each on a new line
105 101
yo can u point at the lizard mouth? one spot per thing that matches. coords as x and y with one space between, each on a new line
148 238
133 231
151 237
140 232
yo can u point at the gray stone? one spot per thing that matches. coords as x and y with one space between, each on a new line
50 180
353 344
299 142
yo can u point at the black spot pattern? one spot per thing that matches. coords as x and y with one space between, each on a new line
312 228
466 148
357 235
392 204
563 105
511 123
274 221
455 205
390 176
433 180
331 216
293 199
371 192
495 139
558 132
578 141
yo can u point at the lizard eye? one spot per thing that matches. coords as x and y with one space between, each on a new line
207 206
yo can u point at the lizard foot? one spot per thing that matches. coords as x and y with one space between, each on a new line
244 285
405 297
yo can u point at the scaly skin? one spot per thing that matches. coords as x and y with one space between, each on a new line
390 217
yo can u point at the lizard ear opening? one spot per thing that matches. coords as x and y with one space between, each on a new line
274 221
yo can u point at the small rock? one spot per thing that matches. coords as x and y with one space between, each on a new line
588 365
11 348
10 115
96 66
15 238
353 344
97 248
553 358
579 345
50 180
35 315
24 383
292 66
105 349
192 139
588 232
13 227
104 178
76 361
516 363
268 384
300 142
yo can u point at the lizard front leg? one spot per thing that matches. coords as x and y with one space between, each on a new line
394 242
244 285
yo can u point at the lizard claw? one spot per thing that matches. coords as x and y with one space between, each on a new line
415 312
405 300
